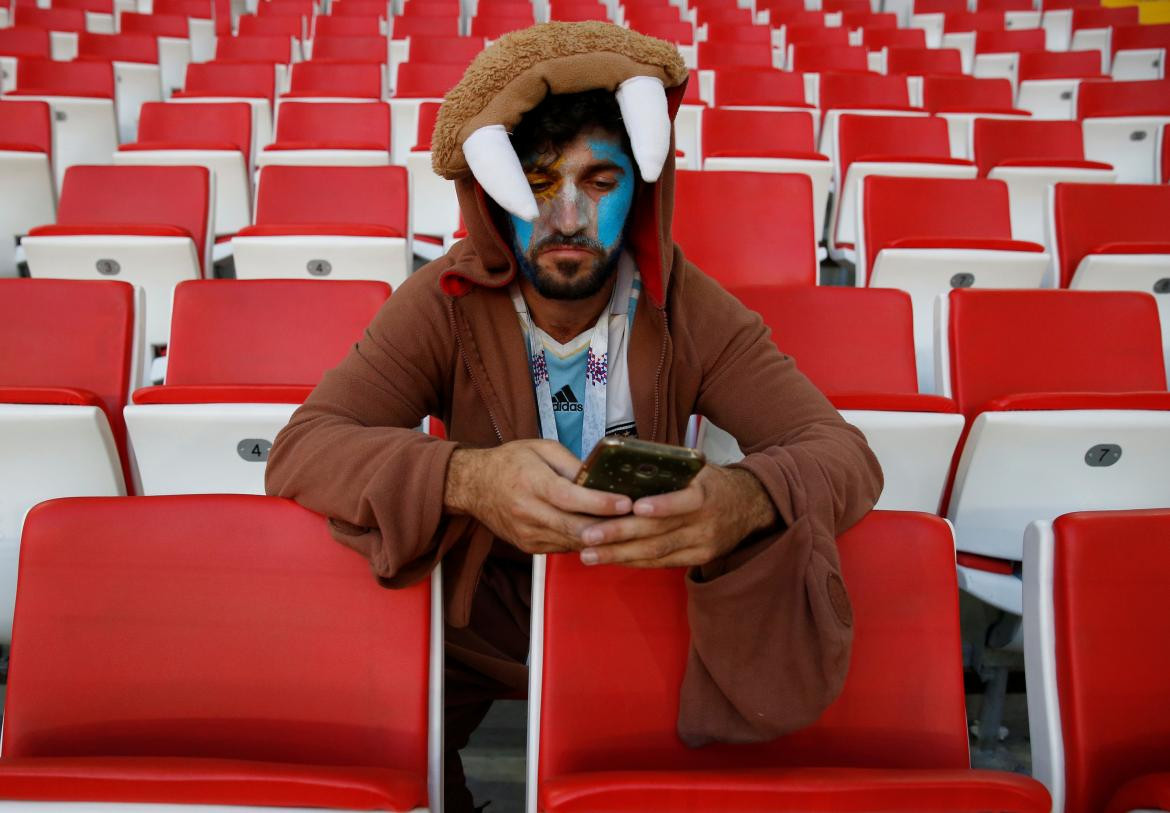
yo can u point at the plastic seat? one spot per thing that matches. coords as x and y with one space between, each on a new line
63 25
330 134
434 206
332 25
1098 745
604 695
362 81
260 583
147 225
688 123
1049 81
215 136
962 99
254 84
715 55
17 42
1030 156
762 90
998 53
328 223
960 29
203 22
1121 122
137 75
173 35
243 355
277 51
26 173
905 146
416 83
929 235
81 95
747 228
1139 51
1115 238
71 357
857 346
99 14
577 12
859 93
1091 28
290 28
1056 20
792 35
876 39
1067 410
766 141
492 27
923 62
930 16
406 27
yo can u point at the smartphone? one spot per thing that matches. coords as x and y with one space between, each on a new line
639 468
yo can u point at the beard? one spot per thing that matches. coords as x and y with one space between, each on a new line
572 279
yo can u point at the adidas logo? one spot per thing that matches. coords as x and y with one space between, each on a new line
565 401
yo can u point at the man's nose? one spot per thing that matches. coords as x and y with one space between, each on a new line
570 210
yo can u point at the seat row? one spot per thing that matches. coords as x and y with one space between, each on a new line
104 708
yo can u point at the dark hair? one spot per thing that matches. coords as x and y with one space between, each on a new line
560 117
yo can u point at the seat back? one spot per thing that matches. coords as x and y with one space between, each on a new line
349 48
761 88
423 80
362 80
266 332
757 133
159 25
358 8
846 340
1026 141
1146 97
124 47
888 138
902 209
231 80
734 55
1011 41
428 114
1059 65
445 50
894 38
1131 37
1088 217
673 30
235 628
1103 17
615 647
1005 342
963 94
50 19
823 58
77 78
279 26
330 25
816 35
25 41
406 27
924 62
223 124
1097 582
354 196
343 123
747 227
492 27
274 50
28 126
845 91
974 21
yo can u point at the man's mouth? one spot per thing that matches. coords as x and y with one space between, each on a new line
567 252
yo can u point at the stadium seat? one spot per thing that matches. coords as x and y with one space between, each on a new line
417 82
766 141
747 228
997 53
814 60
63 25
1092 27
181 676
962 99
761 90
811 36
906 146
81 95
174 44
1067 410
137 76
607 657
716 55
330 134
235 82
1049 81
243 355
434 207
348 48
930 16
276 51
1094 589
26 174
406 27
916 63
17 42
929 235
147 225
857 346
878 39
333 25
1029 156
960 29
328 223
860 93
1121 122
1115 238
329 80
1139 51
71 357
688 126
492 27
202 24
576 11
216 136
289 28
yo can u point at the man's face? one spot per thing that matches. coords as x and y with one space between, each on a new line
583 195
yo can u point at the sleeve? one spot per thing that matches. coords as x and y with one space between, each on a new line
352 451
771 623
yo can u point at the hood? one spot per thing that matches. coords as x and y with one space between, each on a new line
513 76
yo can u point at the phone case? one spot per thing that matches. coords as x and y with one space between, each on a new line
639 468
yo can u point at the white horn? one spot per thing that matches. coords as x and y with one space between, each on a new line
642 101
493 161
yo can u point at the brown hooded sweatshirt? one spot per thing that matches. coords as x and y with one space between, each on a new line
771 624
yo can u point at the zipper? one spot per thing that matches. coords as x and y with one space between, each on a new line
658 375
471 374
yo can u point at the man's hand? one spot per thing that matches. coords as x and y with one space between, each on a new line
525 493
702 522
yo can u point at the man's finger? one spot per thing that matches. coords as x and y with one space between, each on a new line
560 459
672 504
651 548
559 527
577 499
627 529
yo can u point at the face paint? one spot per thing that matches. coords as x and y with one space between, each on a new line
614 207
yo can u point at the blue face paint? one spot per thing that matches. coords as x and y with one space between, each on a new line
521 234
614 207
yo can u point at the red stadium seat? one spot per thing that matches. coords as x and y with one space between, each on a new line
406 27
1098 742
418 82
875 39
909 146
962 99
1139 51
869 93
574 11
714 55
279 51
63 25
767 89
767 141
1048 81
492 28
359 8
734 33
434 207
148 225
441 50
1121 122
61 401
18 42
257 580
1030 156
434 8
26 173
331 25
235 82
825 58
338 80
679 32
857 346
137 74
348 48
1115 238
330 134
747 228
243 354
81 95
174 43
928 235
997 53
1091 28
924 62
216 136
1058 387
335 222
601 749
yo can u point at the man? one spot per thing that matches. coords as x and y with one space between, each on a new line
567 314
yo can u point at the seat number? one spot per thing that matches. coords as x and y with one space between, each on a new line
254 450
1137 135
1066 95
60 115
1162 286
1103 454
108 268
962 280
320 268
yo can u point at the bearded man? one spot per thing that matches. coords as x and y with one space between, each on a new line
568 314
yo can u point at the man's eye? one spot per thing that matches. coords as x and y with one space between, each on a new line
539 186
604 184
